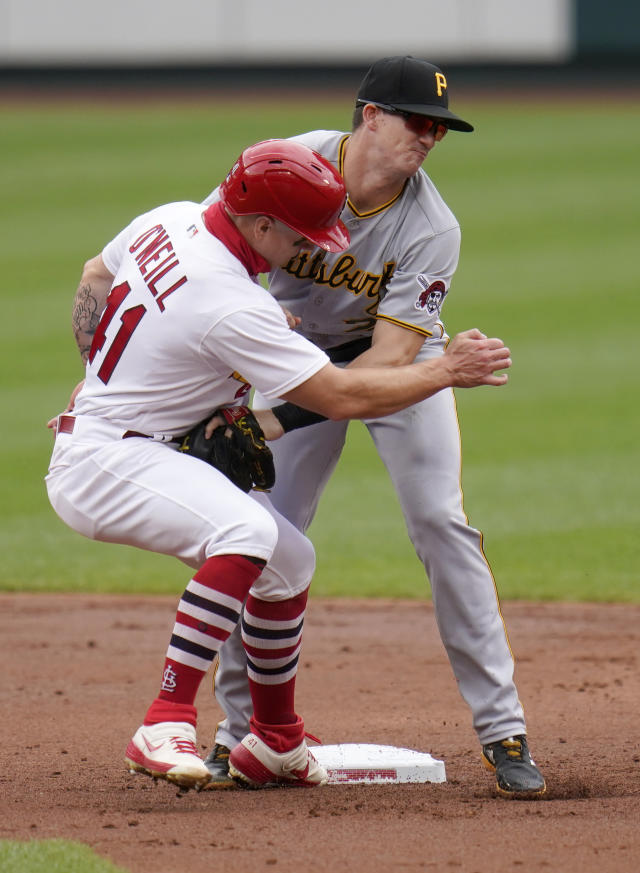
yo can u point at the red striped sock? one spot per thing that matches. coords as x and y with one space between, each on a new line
272 634
207 613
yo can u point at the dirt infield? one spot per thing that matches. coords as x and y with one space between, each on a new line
78 673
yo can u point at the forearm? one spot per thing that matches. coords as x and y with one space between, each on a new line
392 346
84 319
370 392
471 359
376 392
89 303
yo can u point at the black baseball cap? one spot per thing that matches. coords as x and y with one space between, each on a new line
412 85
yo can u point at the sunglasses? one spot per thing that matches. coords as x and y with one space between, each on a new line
419 124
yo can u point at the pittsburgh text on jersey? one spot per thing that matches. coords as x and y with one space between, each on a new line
340 273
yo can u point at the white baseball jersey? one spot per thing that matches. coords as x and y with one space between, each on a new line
398 266
186 330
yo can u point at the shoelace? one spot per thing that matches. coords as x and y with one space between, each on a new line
311 737
513 748
186 747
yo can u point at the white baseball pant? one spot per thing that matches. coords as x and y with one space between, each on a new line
143 493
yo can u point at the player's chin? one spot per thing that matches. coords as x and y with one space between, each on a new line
414 161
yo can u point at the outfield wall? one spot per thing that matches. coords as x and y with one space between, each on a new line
255 31
227 44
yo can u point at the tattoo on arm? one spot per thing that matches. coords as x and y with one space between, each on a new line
84 319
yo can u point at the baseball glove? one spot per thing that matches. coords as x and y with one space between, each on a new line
237 449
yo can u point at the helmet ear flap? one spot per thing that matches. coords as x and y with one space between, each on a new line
288 181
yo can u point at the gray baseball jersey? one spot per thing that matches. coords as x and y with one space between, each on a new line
398 268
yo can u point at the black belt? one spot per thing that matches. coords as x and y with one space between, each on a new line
348 351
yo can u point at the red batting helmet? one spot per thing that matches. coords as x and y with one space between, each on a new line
288 181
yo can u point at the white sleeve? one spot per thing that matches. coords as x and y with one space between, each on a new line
258 343
213 197
113 253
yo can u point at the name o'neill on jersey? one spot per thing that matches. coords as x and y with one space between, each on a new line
157 245
432 295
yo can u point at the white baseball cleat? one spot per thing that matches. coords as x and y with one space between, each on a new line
168 751
254 765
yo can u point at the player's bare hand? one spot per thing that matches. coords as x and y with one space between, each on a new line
474 359
292 320
52 424
271 427
212 424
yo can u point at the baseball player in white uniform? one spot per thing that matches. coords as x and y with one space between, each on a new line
379 302
184 330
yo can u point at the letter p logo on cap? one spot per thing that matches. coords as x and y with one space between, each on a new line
441 83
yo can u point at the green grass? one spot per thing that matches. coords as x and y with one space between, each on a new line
548 202
52 856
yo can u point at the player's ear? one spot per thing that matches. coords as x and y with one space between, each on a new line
254 228
263 224
370 115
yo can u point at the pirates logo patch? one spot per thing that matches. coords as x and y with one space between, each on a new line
432 295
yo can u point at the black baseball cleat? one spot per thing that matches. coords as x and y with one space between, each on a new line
516 772
217 763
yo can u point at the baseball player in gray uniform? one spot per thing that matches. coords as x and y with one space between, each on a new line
182 328
380 302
